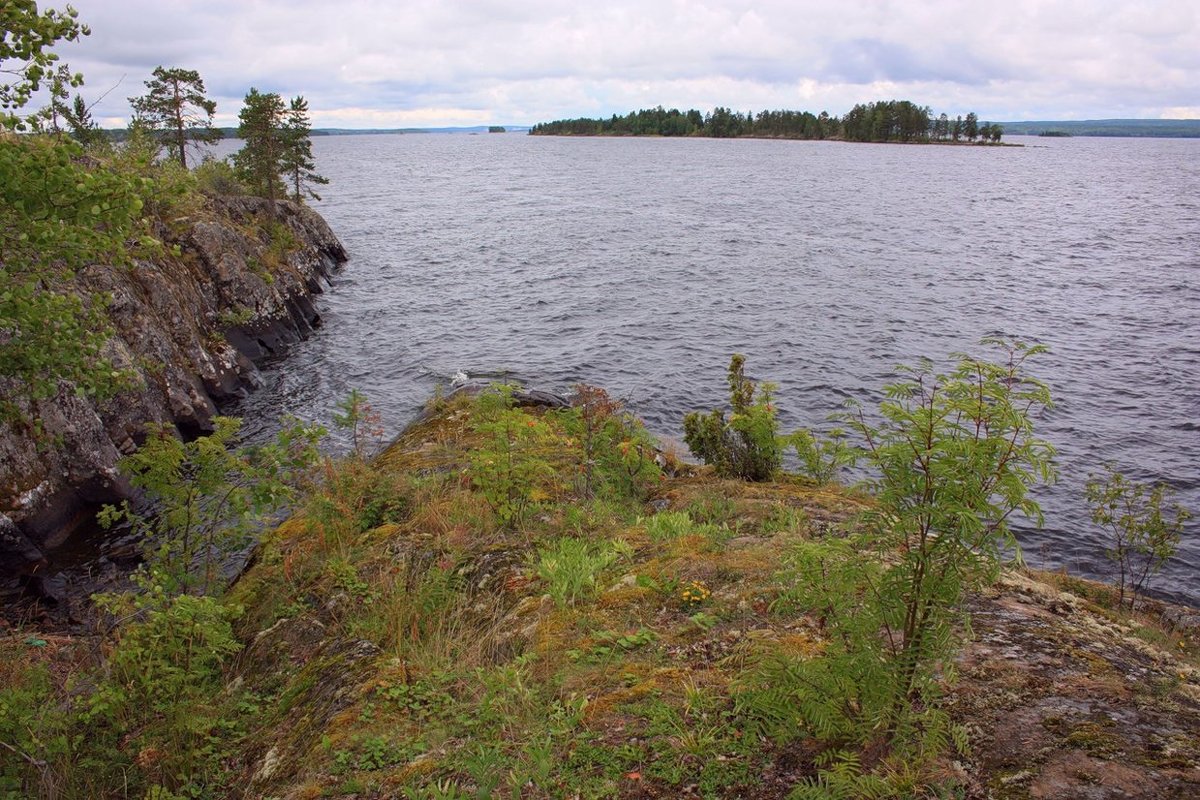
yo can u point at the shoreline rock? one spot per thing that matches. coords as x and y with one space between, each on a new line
189 326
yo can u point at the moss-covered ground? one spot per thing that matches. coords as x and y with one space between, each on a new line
400 641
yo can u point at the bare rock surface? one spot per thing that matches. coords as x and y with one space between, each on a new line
1063 701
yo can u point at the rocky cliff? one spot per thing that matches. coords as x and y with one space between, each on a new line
231 288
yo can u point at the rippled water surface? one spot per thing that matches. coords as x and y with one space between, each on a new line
641 264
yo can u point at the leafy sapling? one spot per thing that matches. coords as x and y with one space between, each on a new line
745 445
210 496
1142 535
952 458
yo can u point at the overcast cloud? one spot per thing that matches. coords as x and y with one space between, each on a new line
368 63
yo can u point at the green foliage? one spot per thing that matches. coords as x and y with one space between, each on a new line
618 456
668 525
212 497
71 217
352 497
509 468
217 178
363 422
277 149
83 128
953 458
34 736
746 445
25 55
608 643
822 457
260 161
882 121
154 700
571 568
1143 538
177 110
297 163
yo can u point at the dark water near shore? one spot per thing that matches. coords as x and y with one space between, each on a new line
641 264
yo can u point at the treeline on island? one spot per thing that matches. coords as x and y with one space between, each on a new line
882 121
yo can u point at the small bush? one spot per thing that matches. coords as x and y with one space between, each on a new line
1143 538
509 467
217 178
888 597
746 445
667 525
618 454
822 457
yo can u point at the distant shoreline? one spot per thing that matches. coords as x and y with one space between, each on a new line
837 140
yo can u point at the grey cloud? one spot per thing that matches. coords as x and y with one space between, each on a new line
521 62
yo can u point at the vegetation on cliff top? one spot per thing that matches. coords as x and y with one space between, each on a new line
93 202
515 600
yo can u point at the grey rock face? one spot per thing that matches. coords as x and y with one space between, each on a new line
189 326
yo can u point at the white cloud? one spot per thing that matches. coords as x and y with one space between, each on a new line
425 62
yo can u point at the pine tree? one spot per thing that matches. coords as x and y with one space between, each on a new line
83 128
177 106
261 160
298 164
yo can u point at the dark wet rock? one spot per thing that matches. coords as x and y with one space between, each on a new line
188 326
17 553
287 643
537 398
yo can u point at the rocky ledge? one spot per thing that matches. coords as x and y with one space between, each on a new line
189 326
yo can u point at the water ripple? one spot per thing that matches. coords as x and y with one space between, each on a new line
640 265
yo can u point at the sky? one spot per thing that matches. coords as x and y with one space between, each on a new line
423 63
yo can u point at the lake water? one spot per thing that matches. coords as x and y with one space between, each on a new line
640 265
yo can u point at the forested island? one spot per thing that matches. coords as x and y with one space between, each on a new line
882 121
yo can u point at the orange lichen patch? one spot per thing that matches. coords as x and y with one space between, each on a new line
404 775
621 597
309 791
800 645
607 701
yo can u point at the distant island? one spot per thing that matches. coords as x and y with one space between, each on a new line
882 121
1157 128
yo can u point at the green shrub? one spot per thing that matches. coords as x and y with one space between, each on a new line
155 701
953 457
618 458
212 496
822 457
509 468
217 178
363 422
1142 537
746 445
